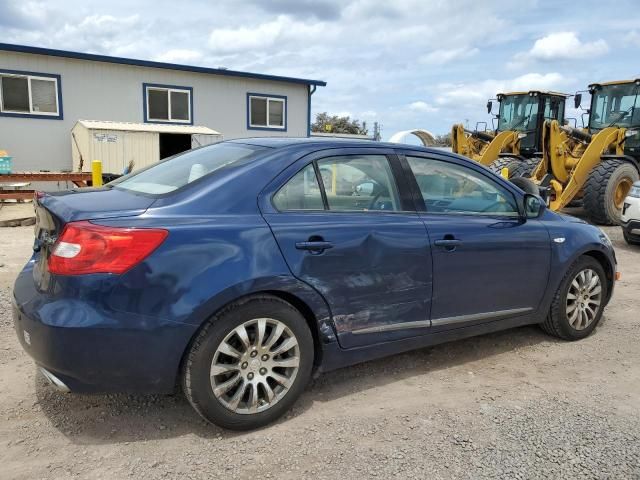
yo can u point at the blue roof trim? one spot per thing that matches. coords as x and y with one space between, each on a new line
151 64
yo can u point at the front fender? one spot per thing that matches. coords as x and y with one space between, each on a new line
571 240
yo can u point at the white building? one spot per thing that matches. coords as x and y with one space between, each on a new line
44 92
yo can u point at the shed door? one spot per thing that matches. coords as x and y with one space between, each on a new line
202 139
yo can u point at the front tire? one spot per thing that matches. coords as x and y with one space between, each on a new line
606 188
579 301
249 363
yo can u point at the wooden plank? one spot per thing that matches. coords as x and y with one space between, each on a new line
46 177
16 194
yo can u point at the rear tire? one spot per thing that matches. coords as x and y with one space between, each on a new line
565 318
517 167
523 168
234 375
602 191
497 165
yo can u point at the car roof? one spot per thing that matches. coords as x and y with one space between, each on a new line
285 142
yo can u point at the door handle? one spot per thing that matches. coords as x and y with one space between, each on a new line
314 246
449 242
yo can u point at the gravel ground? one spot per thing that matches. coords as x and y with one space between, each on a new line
517 404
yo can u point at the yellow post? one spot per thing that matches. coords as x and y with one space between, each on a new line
334 179
96 173
504 172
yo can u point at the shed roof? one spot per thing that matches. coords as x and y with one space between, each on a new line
8 47
146 127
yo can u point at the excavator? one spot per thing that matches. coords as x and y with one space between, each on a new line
516 143
596 164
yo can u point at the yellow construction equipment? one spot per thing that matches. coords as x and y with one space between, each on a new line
598 163
516 142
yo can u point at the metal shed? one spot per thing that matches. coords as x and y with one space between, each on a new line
116 144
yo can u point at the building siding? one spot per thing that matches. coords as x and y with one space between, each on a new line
103 91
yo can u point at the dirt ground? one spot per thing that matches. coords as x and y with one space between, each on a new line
517 404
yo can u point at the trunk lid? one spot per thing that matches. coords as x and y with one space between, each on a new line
54 210
95 203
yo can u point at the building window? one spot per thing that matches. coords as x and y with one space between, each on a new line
168 104
266 112
25 94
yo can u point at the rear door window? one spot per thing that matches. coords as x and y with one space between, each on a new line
359 183
349 183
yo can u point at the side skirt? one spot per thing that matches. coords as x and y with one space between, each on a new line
335 357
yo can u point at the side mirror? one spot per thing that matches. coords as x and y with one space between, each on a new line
577 100
533 206
365 189
489 106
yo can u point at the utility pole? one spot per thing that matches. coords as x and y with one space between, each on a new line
376 132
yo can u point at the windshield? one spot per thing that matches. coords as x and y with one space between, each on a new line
615 105
177 171
518 112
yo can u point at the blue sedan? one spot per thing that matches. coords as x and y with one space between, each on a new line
238 270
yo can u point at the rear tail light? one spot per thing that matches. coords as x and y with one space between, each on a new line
87 248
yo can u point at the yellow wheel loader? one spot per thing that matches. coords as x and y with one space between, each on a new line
597 164
516 143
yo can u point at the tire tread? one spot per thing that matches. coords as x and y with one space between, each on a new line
551 324
595 190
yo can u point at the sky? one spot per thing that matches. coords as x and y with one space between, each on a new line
406 64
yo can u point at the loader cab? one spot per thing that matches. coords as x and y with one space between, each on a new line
525 112
616 104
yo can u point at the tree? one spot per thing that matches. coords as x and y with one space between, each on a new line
334 124
443 140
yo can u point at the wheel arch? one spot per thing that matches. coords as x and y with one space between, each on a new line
608 268
299 295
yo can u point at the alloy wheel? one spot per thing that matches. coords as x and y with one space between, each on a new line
255 365
584 299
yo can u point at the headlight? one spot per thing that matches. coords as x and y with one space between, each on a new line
605 238
635 191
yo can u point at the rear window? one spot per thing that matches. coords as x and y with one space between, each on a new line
177 171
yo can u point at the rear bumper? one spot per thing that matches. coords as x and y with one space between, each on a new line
114 353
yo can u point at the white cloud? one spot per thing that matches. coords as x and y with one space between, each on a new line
566 45
442 56
264 36
179 55
632 38
422 107
559 46
475 94
101 34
